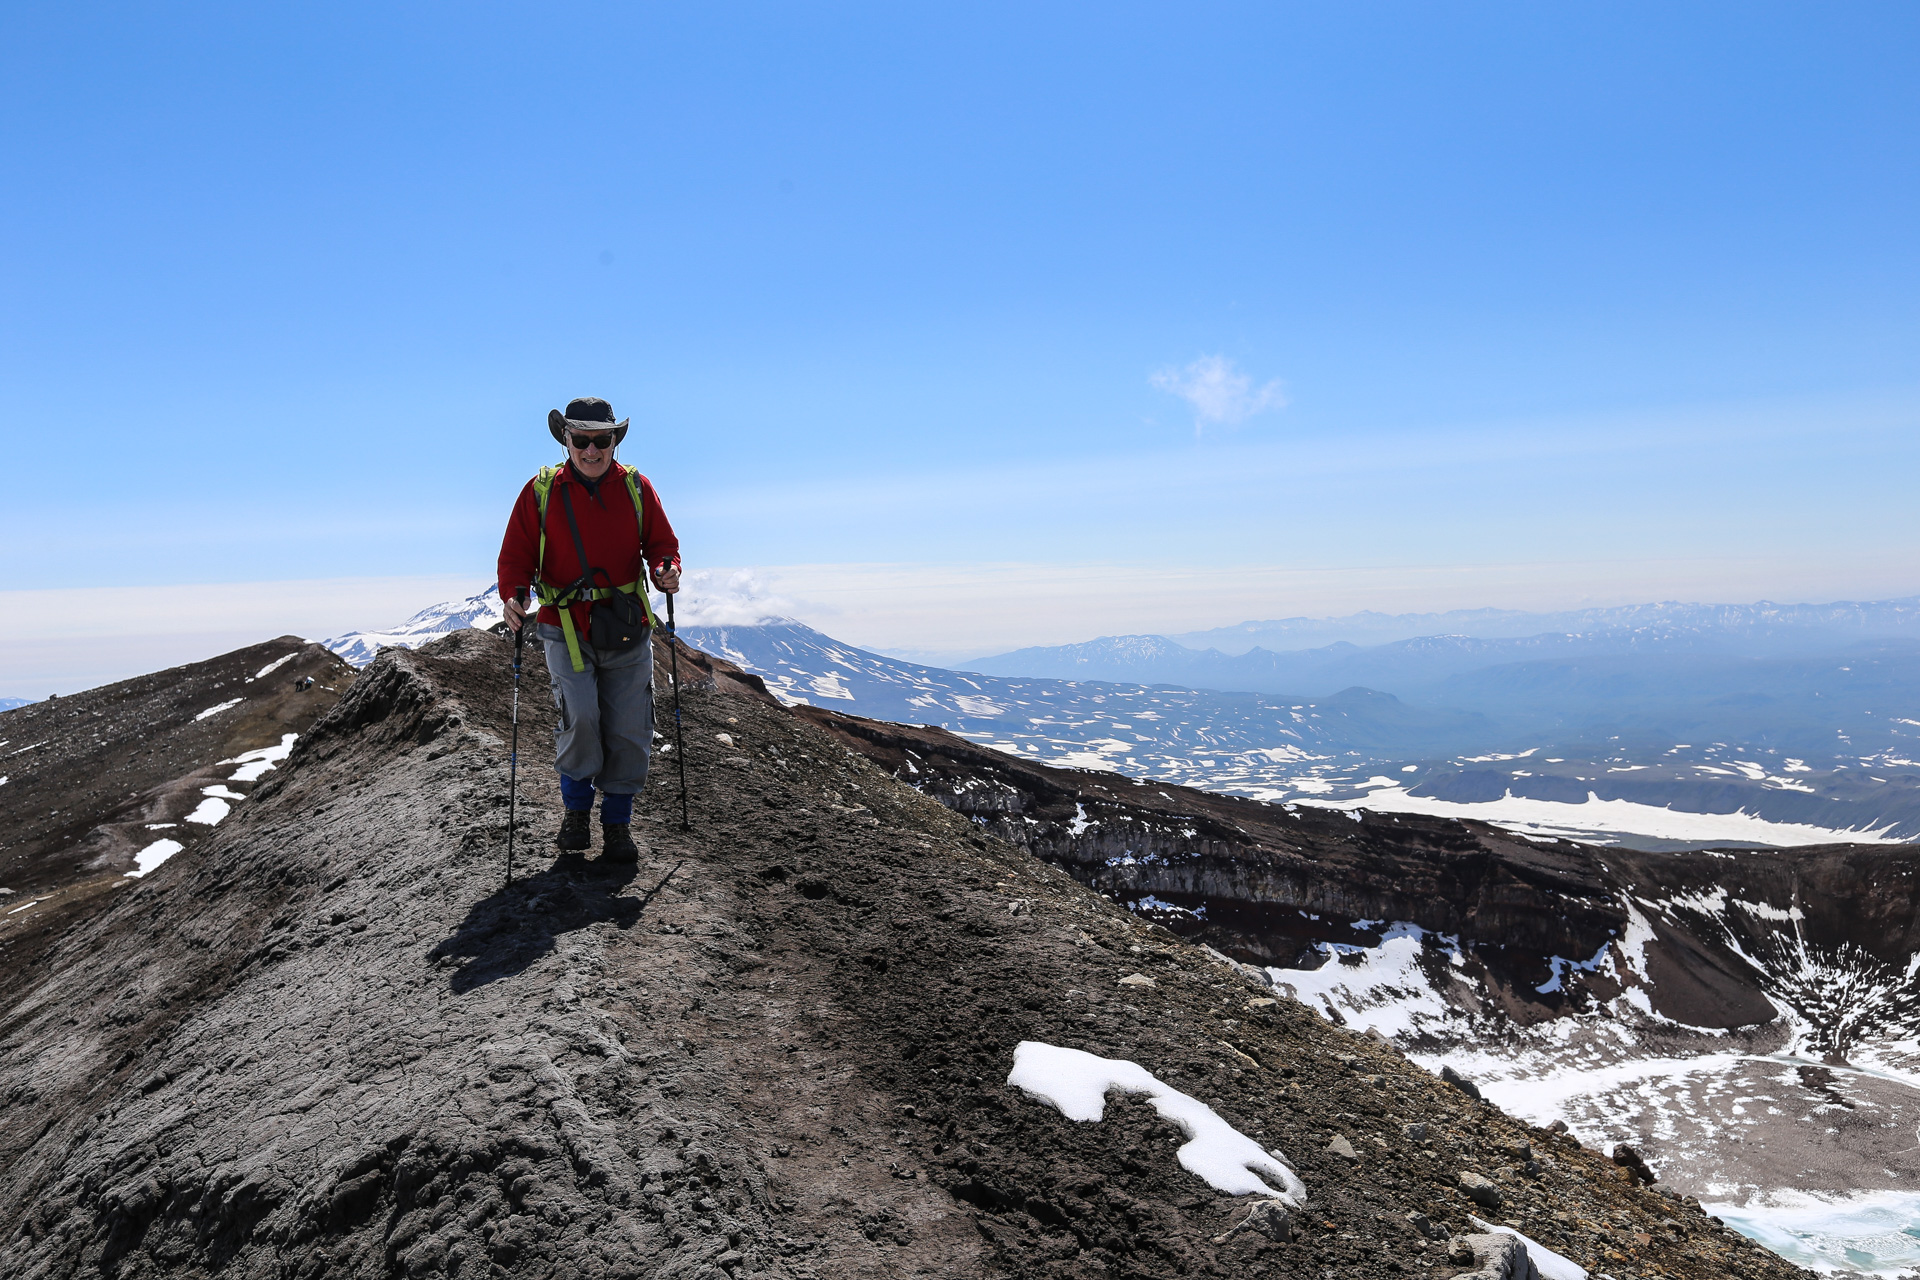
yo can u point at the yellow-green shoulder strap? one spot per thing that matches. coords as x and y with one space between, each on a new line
542 490
640 513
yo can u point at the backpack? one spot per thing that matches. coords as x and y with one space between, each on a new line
612 633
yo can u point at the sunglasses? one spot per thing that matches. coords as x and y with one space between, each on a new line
591 442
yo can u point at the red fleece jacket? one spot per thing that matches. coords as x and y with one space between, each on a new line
607 527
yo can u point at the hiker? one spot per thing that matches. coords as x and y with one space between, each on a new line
583 537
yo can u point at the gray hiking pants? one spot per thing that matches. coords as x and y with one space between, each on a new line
605 723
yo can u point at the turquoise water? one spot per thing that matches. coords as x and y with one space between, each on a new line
1875 1233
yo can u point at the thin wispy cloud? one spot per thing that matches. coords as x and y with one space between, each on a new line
1220 394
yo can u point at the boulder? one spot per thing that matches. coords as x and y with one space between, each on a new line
1479 1189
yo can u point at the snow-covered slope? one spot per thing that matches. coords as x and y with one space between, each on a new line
481 610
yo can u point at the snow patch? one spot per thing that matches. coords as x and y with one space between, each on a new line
1561 966
254 763
210 812
153 855
273 666
1077 1083
1385 988
225 706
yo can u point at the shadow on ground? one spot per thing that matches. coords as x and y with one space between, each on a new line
519 923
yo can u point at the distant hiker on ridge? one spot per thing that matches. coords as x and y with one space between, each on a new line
582 537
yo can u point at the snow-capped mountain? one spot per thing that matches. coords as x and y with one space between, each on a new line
480 610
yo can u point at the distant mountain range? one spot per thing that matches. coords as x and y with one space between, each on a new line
1647 686
1654 733
1163 732
1754 627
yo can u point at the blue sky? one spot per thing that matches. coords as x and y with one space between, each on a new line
289 290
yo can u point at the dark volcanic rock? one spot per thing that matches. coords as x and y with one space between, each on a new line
329 1041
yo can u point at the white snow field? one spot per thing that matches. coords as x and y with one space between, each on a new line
1622 1074
1600 821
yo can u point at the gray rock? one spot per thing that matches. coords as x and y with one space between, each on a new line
1269 1218
1415 1132
1426 1226
1630 1159
1341 1147
1479 1189
1497 1256
1460 1082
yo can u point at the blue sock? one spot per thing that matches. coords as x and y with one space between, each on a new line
576 794
616 809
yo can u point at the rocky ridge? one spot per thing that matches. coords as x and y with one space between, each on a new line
330 1041
89 781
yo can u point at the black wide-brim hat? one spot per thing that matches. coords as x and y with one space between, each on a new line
589 414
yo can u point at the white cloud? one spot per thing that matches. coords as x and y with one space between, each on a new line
1219 393
727 598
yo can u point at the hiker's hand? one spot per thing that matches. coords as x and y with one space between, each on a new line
667 578
516 614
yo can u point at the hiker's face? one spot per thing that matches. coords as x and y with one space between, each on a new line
591 461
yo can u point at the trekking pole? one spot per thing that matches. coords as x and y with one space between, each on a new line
513 754
679 734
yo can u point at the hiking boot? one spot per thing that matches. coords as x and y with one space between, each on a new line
575 830
616 843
